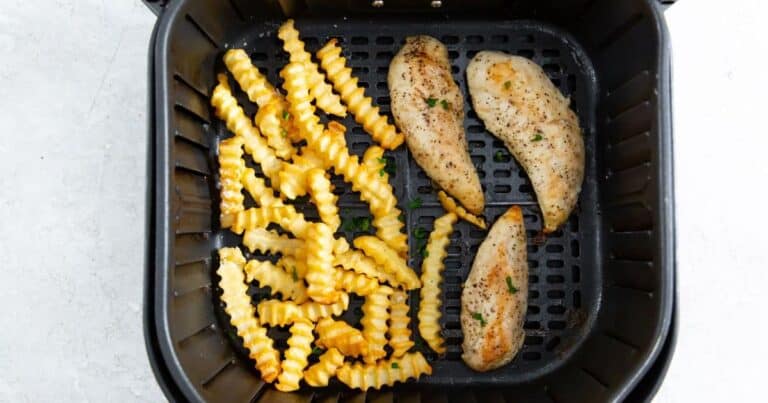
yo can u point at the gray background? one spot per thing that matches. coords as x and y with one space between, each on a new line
72 182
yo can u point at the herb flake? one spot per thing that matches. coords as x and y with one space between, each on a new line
511 287
499 156
507 84
317 351
431 102
294 275
395 365
286 115
283 132
537 137
419 233
414 203
478 317
445 104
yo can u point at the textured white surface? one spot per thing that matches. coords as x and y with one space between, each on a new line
72 111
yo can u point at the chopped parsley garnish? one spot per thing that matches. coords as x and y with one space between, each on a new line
507 84
357 224
423 249
419 233
317 350
445 104
537 137
510 287
395 365
478 317
286 115
499 156
389 166
294 274
431 102
283 132
401 217
414 203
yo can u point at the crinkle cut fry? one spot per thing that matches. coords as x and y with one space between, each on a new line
320 271
384 372
231 168
260 217
242 316
353 95
332 147
232 114
340 335
356 261
374 321
320 91
399 324
431 277
320 373
299 349
389 260
279 281
386 221
451 206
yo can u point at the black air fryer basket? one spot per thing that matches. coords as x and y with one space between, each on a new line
599 326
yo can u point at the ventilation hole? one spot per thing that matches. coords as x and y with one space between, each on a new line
525 188
452 54
499 39
533 294
475 129
359 56
476 144
476 234
533 310
525 53
358 130
555 279
424 189
498 144
502 189
359 40
359 146
382 100
556 309
556 82
452 264
452 294
554 248
450 39
385 40
478 159
455 69
556 325
555 264
554 342
577 299
575 252
471 114
360 70
550 53
364 84
455 310
426 219
455 235
311 41
529 38
381 85
533 279
455 280
576 273
574 223
384 55
532 325
481 173
422 175
473 249
471 53
474 39
533 340
551 68
382 71
502 173
531 356
571 83
258 56
557 234
533 263
555 294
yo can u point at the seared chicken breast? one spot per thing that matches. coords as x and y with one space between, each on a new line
520 105
429 109
495 295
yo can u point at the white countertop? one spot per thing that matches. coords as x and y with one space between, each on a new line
73 113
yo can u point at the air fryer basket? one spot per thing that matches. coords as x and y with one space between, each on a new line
600 288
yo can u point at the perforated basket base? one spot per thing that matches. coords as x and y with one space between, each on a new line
564 271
